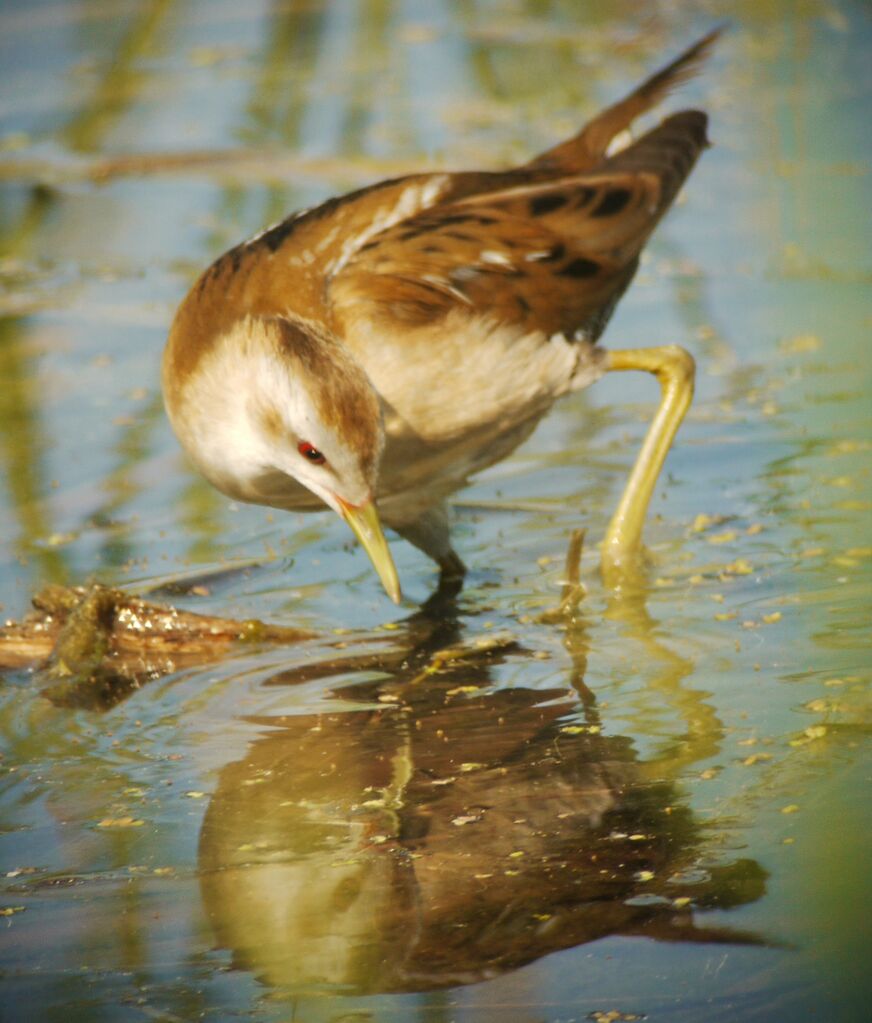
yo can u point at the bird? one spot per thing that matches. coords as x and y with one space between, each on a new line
374 352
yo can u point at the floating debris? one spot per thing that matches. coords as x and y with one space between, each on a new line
98 643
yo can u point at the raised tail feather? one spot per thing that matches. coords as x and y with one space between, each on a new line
587 149
670 150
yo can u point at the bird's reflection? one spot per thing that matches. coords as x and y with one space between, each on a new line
436 830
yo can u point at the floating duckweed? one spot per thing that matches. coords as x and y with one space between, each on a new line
703 521
726 537
756 758
739 567
809 735
799 344
818 706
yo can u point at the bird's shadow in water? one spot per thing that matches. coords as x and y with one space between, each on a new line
437 829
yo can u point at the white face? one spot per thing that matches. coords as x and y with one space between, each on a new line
256 418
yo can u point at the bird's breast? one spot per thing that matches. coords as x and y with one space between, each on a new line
459 395
467 376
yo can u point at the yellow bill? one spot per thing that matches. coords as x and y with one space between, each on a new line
365 525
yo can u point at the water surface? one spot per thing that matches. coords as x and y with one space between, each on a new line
656 808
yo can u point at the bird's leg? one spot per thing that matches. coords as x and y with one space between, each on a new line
430 534
674 368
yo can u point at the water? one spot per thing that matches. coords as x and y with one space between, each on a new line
656 808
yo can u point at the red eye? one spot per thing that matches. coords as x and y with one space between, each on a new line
310 452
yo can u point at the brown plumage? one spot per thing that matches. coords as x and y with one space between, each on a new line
459 305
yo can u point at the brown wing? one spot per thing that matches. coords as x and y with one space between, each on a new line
544 256
551 255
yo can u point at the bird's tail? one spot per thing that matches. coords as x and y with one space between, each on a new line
588 148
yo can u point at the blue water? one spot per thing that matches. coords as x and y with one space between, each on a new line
297 840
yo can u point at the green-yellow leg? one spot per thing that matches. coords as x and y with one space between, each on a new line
674 368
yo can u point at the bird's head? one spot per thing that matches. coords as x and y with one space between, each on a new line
288 400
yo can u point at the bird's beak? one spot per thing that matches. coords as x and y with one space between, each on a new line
365 524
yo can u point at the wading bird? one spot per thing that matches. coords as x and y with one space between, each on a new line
375 351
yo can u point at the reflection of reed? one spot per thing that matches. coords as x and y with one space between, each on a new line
500 74
293 37
122 79
132 446
373 38
21 439
23 444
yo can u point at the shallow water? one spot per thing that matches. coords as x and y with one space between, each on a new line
657 808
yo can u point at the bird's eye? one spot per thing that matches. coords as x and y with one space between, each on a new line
310 452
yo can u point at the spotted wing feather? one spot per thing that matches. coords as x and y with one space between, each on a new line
544 256
550 256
